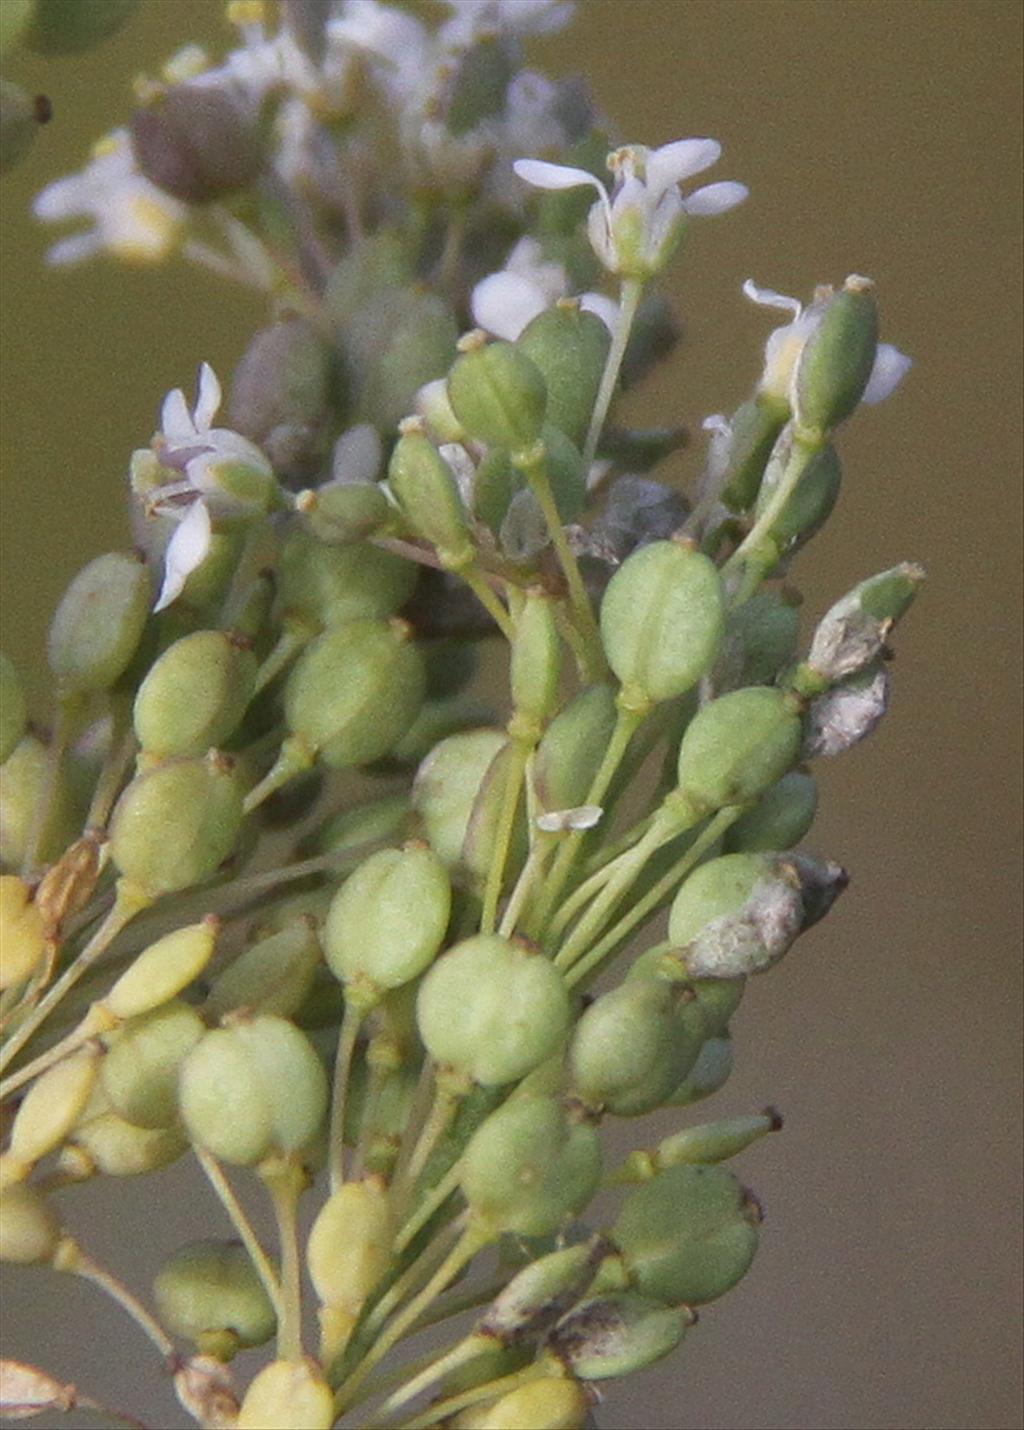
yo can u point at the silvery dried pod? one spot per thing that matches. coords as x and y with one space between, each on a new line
497 393
288 1393
853 633
99 622
614 1334
688 1235
21 115
209 1293
835 362
194 695
63 27
639 511
13 710
281 396
530 1168
737 746
30 1230
570 348
196 142
24 775
846 714
140 1070
779 819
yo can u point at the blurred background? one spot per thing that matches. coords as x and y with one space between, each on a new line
880 138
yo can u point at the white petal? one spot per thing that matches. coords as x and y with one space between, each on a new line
674 162
716 198
460 464
357 454
503 304
602 307
175 421
187 549
64 198
556 821
543 175
891 367
75 248
208 398
717 423
768 298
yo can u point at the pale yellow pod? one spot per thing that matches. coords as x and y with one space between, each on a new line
552 1403
53 1106
22 941
348 1251
287 1395
163 969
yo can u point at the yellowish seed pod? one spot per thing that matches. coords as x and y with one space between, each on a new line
287 1395
29 1227
22 942
551 1403
347 1253
163 969
51 1108
108 1146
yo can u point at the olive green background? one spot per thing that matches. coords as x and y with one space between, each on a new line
881 138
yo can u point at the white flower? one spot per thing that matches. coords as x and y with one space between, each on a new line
476 19
397 41
133 219
786 343
504 303
636 229
187 549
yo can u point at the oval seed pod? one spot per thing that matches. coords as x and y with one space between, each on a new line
64 27
30 1229
492 1009
163 970
662 620
281 391
709 1073
176 823
13 710
570 347
810 504
22 936
197 143
714 1141
715 999
274 975
194 696
530 1167
612 1335
23 777
253 1089
209 1293
342 512
779 819
140 1070
98 624
760 640
572 748
835 362
539 1294
447 784
497 393
327 586
355 691
737 746
347 1253
287 1395
387 921
549 1403
424 486
688 1235
631 1048
107 1145
50 1108
536 660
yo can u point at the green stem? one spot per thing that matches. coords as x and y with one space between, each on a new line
629 301
753 558
351 1022
115 765
291 641
525 884
84 1033
295 758
519 755
445 1106
482 590
435 1198
465 1350
240 1221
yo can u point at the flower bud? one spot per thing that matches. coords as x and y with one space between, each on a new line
140 1070
572 747
613 1335
339 513
845 715
779 819
632 1047
209 1293
29 1226
281 392
709 1073
22 936
355 691
835 362
760 640
110 1146
253 1089
536 661
50 1109
569 347
753 429
711 1143
492 1009
853 633
176 823
347 1254
287 1395
447 785
549 1403
737 746
98 623
387 921
194 696
688 1235
530 1167
64 27
163 970
498 394
328 586
196 142
13 710
424 486
274 975
24 775
661 621
539 1294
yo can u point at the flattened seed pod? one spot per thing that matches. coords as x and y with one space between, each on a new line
570 347
209 1293
738 746
194 696
98 624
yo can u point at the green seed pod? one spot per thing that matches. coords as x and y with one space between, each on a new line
754 427
853 633
846 714
23 777
661 621
13 709
437 720
253 1089
541 1293
687 1236
631 1048
570 348
810 504
209 1293
709 1073
274 975
109 1146
195 695
140 1071
347 1254
529 1167
21 115
572 747
382 260
176 823
281 394
536 663
563 466
498 393
492 1009
548 1403
779 819
387 921
424 486
496 482
760 640
64 27
396 345
447 785
163 970
715 999
29 1226
327 586
14 17
737 747
835 362
287 1395
342 512
713 1142
98 623
197 143
52 1106
610 1336
483 827
355 691
385 820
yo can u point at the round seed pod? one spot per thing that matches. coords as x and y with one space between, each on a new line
779 819
30 1229
835 362
23 777
253 1089
549 1403
64 27
342 512
209 1293
194 696
387 921
22 937
609 1336
709 1073
572 747
498 393
176 823
13 710
569 347
347 1253
163 970
281 392
109 1146
355 691
447 784
327 586
529 1167
274 975
688 1235
287 1395
98 624
140 1070
492 1009
631 1048
197 143
424 486
662 620
737 747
